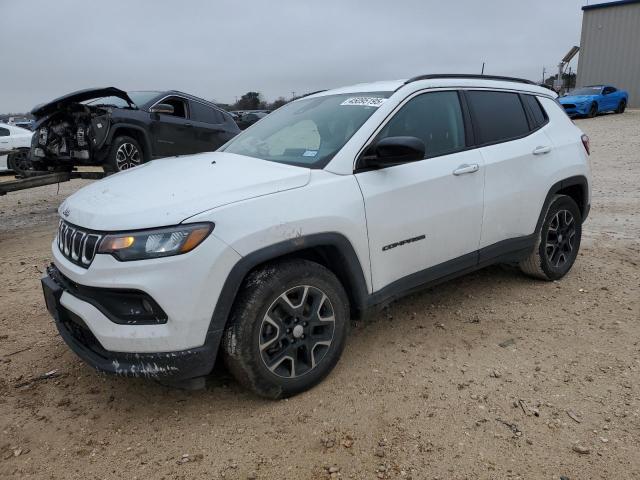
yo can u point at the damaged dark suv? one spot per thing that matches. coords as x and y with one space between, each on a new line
119 130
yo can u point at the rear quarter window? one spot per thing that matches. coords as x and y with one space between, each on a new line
205 114
537 112
497 116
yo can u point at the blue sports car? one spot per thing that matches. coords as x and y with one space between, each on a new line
594 99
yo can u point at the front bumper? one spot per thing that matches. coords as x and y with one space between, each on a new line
576 110
173 366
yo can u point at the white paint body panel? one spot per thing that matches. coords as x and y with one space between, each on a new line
168 190
255 204
329 203
517 181
421 198
18 138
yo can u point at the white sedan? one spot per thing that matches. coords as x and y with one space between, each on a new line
13 140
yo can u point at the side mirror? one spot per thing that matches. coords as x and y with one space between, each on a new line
162 108
393 151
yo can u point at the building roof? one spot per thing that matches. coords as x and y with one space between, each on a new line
609 4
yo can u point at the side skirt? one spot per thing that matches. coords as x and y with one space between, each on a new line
506 251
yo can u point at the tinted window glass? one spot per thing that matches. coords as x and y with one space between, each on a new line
608 90
435 118
498 116
4 132
539 115
179 107
203 113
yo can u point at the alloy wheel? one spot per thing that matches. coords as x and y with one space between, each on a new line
21 161
560 238
127 156
296 331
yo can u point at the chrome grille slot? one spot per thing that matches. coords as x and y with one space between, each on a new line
77 245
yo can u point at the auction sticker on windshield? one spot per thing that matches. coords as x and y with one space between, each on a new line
364 101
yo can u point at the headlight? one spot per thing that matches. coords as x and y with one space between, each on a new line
161 242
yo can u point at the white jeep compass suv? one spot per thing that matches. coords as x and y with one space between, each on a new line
334 203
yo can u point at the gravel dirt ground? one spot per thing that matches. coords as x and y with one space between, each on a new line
490 376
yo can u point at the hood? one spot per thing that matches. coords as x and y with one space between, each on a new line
77 97
169 190
576 98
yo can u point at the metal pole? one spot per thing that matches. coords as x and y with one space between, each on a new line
482 72
560 80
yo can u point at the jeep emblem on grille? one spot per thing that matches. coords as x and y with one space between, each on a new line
66 212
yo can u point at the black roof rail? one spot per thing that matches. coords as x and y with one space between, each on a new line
469 75
310 93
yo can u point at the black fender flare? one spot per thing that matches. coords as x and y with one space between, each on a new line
351 267
127 126
579 180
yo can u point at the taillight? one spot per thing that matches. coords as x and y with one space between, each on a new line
585 142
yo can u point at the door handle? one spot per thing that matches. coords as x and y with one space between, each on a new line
541 150
466 168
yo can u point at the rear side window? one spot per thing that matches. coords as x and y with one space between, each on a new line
4 132
498 116
539 116
202 113
435 118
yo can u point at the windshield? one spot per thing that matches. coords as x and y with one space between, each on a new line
139 98
307 132
585 91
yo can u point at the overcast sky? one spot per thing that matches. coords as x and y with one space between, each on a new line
221 49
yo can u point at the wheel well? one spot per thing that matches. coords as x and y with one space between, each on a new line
577 193
332 258
136 135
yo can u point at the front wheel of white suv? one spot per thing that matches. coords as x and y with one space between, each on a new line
557 242
287 329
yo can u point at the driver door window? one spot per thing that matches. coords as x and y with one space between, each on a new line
435 118
179 107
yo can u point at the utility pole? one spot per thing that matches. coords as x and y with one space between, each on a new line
293 95
544 71
482 72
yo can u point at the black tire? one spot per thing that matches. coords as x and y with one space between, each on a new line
259 351
593 110
125 153
19 162
621 106
558 241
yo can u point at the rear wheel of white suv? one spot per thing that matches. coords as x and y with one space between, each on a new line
287 329
558 241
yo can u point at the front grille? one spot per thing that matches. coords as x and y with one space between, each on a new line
77 245
568 106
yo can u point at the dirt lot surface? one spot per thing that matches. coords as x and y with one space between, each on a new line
489 376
